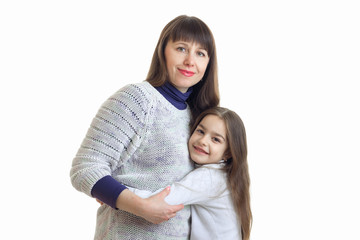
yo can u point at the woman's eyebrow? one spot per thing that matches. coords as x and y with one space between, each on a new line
181 42
187 44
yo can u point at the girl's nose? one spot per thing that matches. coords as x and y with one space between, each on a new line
202 141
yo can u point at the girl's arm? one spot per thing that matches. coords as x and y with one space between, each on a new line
197 187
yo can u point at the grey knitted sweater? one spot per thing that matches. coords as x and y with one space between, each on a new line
140 139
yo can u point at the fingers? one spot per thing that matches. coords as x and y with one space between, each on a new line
164 192
160 210
172 215
168 217
173 211
176 208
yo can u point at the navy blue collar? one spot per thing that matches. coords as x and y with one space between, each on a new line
174 96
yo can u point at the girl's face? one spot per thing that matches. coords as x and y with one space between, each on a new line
208 143
186 63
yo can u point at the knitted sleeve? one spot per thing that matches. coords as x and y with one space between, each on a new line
114 134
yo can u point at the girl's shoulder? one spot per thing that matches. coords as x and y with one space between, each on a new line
209 179
212 167
214 173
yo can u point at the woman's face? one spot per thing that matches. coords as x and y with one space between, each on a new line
208 143
186 63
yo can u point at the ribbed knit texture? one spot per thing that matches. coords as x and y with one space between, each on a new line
173 95
140 139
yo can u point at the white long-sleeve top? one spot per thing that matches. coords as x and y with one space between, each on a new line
212 211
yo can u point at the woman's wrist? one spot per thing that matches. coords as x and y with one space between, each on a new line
107 190
130 202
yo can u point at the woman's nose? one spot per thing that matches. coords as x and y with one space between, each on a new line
189 60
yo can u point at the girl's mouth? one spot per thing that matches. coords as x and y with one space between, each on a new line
186 73
200 150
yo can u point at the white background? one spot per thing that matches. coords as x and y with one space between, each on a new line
290 69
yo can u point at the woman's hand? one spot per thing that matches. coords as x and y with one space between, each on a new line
154 209
157 210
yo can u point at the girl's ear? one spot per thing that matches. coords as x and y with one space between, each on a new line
227 155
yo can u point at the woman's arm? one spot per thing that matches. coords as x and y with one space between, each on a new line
154 209
108 144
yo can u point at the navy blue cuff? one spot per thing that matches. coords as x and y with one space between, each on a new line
107 190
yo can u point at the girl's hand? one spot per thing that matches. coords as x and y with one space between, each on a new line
154 209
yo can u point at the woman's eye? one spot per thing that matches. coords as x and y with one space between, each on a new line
201 54
181 49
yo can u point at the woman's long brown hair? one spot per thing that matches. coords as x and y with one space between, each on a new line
238 179
191 29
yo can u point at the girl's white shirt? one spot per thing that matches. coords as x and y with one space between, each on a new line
212 211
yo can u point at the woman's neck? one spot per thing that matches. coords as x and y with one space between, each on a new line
174 96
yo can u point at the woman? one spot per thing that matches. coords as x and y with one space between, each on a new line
139 137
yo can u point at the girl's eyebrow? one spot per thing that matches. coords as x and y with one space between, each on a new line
215 133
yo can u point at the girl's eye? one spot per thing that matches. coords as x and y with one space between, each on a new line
200 131
216 139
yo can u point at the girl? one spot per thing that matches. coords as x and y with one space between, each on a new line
218 189
134 139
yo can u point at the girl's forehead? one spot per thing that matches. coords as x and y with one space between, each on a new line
212 117
214 125
213 121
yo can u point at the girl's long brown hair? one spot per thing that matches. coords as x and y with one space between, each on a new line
238 179
191 29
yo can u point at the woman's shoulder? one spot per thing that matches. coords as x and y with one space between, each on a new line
136 90
135 94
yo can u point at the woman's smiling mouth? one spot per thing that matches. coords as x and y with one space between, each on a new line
186 73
